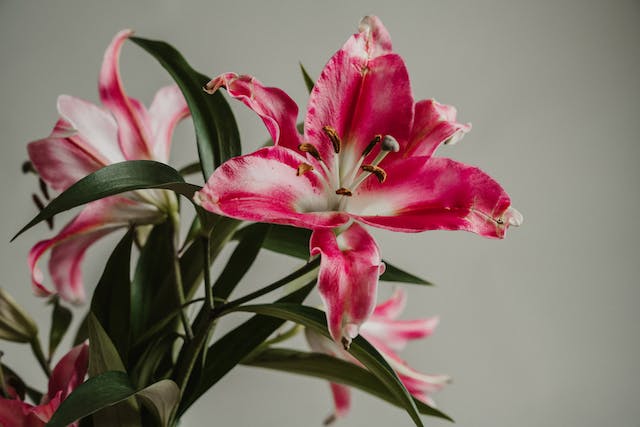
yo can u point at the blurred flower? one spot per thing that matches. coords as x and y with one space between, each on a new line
68 374
389 336
88 137
15 324
366 155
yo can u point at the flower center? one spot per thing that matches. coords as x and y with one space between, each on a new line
341 178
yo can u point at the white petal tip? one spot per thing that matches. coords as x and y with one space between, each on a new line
514 217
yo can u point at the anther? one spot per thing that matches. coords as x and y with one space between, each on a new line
377 171
344 192
389 143
372 144
346 343
333 136
305 147
304 168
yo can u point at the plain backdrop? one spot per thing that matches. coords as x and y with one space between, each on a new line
540 329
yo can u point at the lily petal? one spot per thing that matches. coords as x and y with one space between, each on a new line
348 279
69 373
433 125
423 193
392 307
166 111
360 93
264 186
133 134
68 247
276 109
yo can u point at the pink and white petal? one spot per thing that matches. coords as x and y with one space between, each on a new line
133 137
62 161
418 384
264 187
360 99
69 246
42 413
434 194
14 413
341 402
434 124
69 372
276 109
392 307
348 279
166 111
397 333
371 41
96 126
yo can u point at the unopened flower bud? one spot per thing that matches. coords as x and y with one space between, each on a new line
15 323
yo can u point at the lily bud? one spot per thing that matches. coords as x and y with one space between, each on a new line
15 323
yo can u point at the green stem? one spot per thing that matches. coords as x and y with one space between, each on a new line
179 287
207 273
221 309
39 354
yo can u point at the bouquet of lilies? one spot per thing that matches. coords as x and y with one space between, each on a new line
145 349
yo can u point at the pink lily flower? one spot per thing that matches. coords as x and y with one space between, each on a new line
68 374
88 137
389 336
367 156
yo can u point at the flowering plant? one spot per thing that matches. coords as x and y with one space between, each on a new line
364 156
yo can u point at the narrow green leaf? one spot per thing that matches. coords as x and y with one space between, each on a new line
190 169
111 300
331 369
215 126
153 276
229 350
294 241
308 81
102 392
82 333
96 393
161 399
115 179
60 320
103 357
240 261
360 348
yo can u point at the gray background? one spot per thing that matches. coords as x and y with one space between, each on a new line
540 329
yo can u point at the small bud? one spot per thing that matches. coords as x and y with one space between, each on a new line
15 323
389 143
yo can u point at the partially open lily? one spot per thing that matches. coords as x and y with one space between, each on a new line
366 155
88 137
389 335
68 374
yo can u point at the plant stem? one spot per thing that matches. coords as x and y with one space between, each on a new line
179 287
207 273
39 354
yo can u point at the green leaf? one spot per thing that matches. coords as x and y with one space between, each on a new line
331 369
103 357
360 348
229 350
190 169
153 276
294 241
111 300
308 81
215 126
60 321
240 261
115 179
161 399
100 393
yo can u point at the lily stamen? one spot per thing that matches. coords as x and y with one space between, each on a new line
305 147
344 192
380 173
333 137
303 168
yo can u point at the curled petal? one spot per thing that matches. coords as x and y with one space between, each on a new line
133 133
69 373
69 246
349 268
423 193
391 308
371 41
276 109
265 186
433 125
166 111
